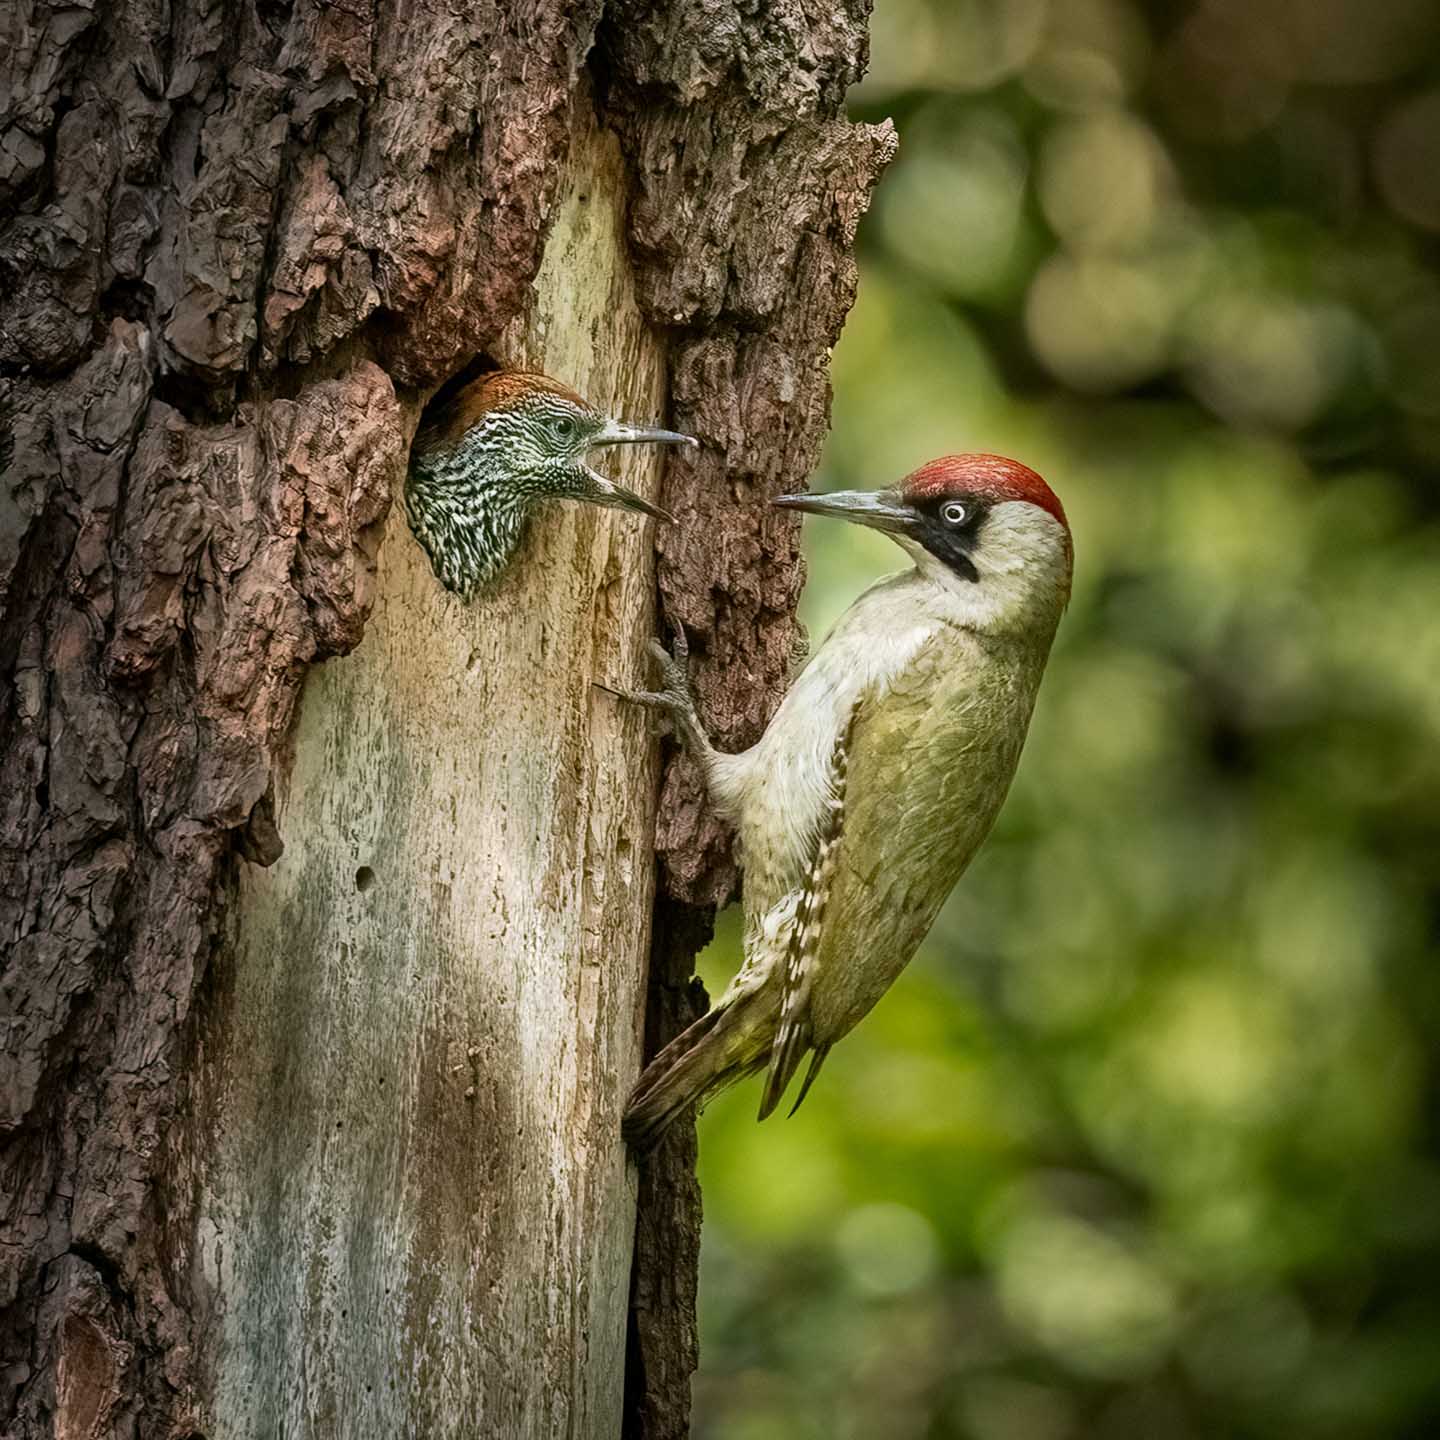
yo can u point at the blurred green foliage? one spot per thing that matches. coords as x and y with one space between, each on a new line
1146 1141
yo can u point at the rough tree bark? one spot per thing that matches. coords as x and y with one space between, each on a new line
317 1015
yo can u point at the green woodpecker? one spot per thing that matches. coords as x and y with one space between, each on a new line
501 445
879 776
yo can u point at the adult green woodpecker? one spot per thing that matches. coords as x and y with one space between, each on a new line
500 446
879 776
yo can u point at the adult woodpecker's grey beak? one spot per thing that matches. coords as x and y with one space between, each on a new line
879 509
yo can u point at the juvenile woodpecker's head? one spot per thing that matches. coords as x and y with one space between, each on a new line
503 443
988 529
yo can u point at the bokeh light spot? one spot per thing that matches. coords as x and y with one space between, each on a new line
887 1249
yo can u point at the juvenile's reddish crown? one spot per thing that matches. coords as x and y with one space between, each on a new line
500 390
987 477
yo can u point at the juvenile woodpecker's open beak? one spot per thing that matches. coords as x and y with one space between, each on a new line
879 509
607 493
617 432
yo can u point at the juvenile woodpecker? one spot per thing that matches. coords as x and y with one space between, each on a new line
503 443
879 776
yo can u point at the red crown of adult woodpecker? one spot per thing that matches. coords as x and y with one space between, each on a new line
981 476
944 507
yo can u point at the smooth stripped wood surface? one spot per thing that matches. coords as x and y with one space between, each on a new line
419 1214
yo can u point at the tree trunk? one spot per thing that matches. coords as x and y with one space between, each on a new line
319 1012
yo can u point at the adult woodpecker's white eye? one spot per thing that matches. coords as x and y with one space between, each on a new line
952 512
563 427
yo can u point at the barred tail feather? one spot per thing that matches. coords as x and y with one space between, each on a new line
817 1059
795 1035
720 1048
791 1044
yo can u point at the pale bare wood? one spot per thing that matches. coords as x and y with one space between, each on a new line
423 1067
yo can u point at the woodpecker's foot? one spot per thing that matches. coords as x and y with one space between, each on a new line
799 649
675 699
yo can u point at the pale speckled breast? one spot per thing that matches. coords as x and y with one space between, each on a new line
784 782
929 771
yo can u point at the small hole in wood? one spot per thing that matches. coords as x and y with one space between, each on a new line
439 402
364 878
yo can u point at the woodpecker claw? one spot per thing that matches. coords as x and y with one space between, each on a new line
675 671
675 699
650 699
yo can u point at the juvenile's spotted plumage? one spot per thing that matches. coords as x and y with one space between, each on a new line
879 776
504 443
